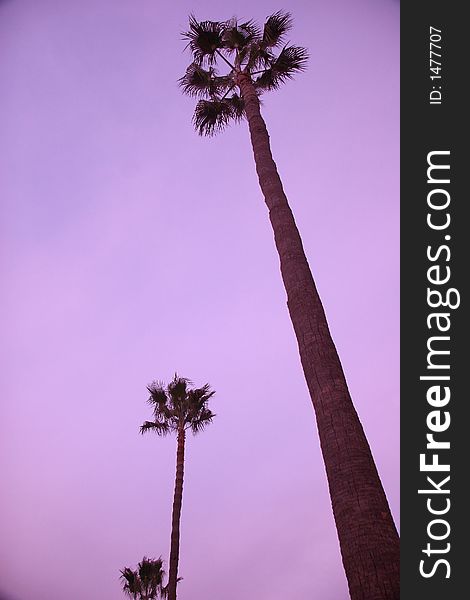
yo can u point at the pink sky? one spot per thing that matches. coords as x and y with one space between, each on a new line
133 248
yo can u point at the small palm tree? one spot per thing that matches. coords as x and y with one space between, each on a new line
146 582
257 60
177 408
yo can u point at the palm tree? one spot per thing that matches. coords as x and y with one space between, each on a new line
146 583
177 408
257 60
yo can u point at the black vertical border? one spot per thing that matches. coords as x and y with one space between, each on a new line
426 128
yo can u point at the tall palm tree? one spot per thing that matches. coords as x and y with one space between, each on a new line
146 582
257 60
177 408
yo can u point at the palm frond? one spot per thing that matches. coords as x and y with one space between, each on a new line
199 82
159 400
157 393
177 389
131 582
212 116
259 57
238 36
160 428
291 60
238 107
275 28
200 396
204 38
204 419
151 574
251 30
198 415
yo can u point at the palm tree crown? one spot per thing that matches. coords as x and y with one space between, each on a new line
177 407
245 49
146 582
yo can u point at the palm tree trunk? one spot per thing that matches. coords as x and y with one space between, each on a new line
175 519
368 538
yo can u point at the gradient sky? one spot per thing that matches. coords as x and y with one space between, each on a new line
132 248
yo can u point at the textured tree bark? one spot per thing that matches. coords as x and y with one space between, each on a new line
367 535
175 519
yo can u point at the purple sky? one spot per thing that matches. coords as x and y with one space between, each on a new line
133 248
